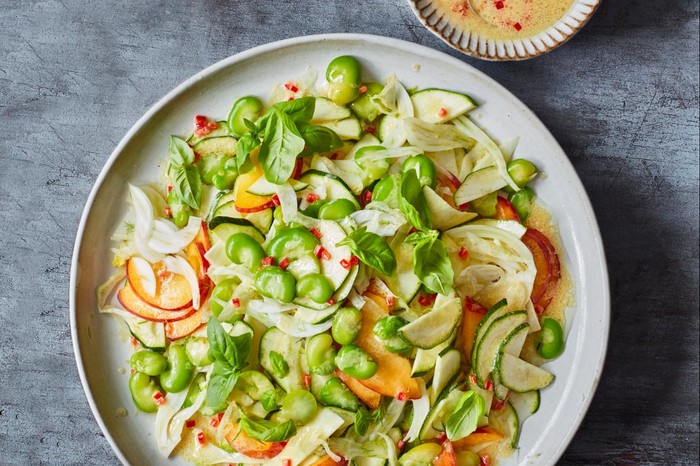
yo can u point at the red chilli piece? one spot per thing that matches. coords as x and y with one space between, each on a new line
190 423
276 200
370 129
284 263
463 253
401 443
498 405
489 384
362 89
499 5
442 113
472 379
311 198
517 26
236 302
212 125
291 87
132 372
464 207
134 341
354 260
331 301
169 188
168 213
321 253
200 121
214 422
484 460
345 264
403 396
366 197
314 231
307 380
201 439
159 398
286 462
441 437
269 260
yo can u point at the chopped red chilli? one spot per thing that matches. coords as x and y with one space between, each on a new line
307 380
276 200
390 301
190 423
291 87
312 197
442 113
287 462
321 253
463 253
284 263
441 437
170 188
269 260
168 213
214 422
200 121
201 439
159 398
401 443
489 384
484 460
345 264
362 89
314 231
236 302
403 396
331 301
517 26
499 5
354 260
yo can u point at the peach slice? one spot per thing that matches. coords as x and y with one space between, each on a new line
370 397
172 291
184 327
244 443
548 268
393 376
134 304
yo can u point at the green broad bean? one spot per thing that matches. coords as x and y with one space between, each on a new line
522 202
320 354
292 243
485 205
336 210
424 168
364 107
148 362
299 406
180 370
467 458
387 331
224 292
421 455
346 325
194 390
313 209
242 248
355 362
551 340
246 108
275 283
254 384
142 388
316 287
522 171
343 75
387 190
179 211
374 169
226 176
335 393
197 349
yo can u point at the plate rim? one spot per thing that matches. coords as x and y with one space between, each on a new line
410 47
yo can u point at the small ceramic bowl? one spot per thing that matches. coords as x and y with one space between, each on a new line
435 18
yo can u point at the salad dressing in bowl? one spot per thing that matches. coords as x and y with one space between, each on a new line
505 19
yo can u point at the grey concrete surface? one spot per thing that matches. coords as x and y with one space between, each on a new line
621 98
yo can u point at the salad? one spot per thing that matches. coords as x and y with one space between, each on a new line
353 272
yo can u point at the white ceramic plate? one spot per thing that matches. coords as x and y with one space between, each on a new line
101 350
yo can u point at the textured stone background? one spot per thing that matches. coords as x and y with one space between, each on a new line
621 98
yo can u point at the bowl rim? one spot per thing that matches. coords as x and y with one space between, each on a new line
291 42
471 44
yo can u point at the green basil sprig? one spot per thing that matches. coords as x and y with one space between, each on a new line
229 354
431 264
186 181
465 418
284 133
412 201
371 249
279 365
268 431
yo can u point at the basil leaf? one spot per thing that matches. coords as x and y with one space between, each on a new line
299 110
188 185
250 125
269 400
319 139
363 420
465 418
412 201
244 147
431 264
231 351
279 365
268 431
221 382
280 147
371 249
180 152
